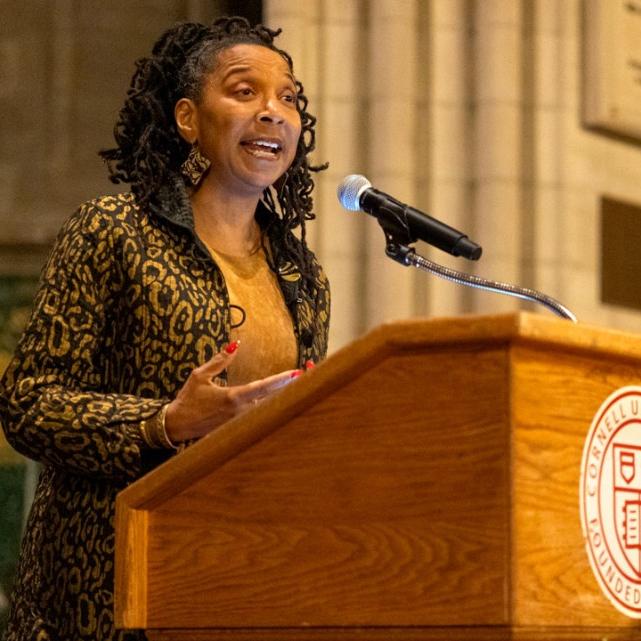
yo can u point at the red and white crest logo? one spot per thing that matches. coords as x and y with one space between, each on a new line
627 503
611 499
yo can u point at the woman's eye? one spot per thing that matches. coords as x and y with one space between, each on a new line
244 91
288 97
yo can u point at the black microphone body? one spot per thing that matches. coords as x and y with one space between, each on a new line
403 224
421 226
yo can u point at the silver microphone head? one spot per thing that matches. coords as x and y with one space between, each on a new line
350 190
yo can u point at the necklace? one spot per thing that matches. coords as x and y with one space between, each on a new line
257 246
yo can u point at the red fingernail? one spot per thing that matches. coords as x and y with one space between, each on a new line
310 364
232 347
296 373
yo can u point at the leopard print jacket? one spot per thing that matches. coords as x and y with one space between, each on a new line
129 303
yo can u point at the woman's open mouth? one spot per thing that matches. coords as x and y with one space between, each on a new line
262 147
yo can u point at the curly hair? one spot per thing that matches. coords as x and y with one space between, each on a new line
149 150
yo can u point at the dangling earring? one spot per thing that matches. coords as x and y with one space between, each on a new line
194 168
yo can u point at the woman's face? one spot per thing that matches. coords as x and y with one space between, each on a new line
246 121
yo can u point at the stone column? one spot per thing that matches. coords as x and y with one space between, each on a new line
498 149
446 103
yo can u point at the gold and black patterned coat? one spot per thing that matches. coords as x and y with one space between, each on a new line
130 302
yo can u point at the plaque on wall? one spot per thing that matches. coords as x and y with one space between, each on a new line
612 67
620 258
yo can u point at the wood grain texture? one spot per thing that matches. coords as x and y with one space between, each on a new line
457 633
131 569
425 476
353 512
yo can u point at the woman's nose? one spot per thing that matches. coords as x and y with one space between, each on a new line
271 112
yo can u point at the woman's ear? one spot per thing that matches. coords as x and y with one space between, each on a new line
186 121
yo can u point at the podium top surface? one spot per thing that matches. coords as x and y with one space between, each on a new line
500 328
416 336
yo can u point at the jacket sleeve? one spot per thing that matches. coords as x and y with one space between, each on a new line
53 404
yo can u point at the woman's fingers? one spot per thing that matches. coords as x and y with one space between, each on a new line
257 390
202 403
219 362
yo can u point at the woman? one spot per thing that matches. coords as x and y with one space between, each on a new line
132 349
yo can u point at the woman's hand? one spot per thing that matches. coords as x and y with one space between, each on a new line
202 404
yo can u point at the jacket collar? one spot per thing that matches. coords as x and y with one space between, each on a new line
173 205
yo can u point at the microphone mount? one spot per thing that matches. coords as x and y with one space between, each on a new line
398 221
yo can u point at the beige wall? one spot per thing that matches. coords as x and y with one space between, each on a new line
65 66
470 110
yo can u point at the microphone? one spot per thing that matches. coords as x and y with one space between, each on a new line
356 193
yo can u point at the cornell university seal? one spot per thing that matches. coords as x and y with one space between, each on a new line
610 499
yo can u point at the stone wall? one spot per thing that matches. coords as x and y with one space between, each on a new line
471 110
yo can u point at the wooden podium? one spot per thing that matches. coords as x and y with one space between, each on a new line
421 484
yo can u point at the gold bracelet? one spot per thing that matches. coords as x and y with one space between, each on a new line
145 435
154 432
159 431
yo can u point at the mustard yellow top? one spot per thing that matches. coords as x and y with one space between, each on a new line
267 341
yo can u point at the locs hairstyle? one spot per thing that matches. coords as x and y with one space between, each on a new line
149 150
